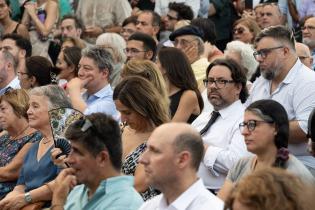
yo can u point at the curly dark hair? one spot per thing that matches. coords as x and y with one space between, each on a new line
184 12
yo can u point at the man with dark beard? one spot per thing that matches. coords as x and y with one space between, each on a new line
286 80
224 144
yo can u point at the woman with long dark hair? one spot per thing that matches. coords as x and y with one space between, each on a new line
186 101
266 134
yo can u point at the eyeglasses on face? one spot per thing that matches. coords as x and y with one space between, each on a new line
133 51
183 42
171 17
251 124
219 83
263 53
309 28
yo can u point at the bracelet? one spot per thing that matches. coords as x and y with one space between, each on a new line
55 205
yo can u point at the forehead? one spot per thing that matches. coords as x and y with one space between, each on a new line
145 17
186 37
271 8
172 13
161 138
68 22
310 22
135 44
39 99
8 42
249 115
87 62
266 42
220 71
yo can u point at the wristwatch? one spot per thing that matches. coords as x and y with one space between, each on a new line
27 197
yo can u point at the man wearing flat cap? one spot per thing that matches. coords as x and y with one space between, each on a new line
189 40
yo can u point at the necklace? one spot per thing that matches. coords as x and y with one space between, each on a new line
14 138
47 141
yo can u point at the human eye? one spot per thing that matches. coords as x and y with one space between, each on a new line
251 124
222 81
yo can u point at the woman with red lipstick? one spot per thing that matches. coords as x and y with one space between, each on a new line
266 133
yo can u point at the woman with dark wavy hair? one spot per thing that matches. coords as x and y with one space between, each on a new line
186 101
266 134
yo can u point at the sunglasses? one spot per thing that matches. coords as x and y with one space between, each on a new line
238 30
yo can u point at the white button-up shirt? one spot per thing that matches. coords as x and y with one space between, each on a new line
296 93
196 197
225 141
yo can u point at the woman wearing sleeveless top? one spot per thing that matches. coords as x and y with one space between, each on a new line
8 25
186 101
40 17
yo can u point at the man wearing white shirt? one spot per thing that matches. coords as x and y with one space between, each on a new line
286 80
171 161
226 89
8 78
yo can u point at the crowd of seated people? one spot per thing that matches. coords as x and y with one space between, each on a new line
182 104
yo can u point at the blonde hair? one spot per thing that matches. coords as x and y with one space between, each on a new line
148 70
18 100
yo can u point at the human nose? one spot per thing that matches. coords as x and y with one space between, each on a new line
143 158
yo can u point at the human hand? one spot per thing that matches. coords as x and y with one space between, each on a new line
93 31
13 201
65 182
60 161
75 85
191 52
30 8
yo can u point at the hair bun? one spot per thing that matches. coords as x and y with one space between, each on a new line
283 154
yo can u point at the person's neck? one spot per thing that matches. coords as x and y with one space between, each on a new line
174 189
103 175
266 159
46 131
6 22
19 126
193 60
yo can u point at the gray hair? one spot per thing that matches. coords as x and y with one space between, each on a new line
101 57
8 57
246 53
115 43
201 46
56 96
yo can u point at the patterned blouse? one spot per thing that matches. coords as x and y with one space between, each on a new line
8 150
129 168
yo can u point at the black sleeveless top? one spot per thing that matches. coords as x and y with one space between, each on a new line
174 99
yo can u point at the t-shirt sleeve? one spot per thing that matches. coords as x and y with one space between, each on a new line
238 170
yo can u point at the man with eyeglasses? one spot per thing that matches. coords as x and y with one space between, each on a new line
149 22
140 46
189 39
94 180
286 80
224 144
304 54
308 32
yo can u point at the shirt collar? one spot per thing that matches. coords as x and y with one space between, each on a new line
102 92
229 111
186 198
293 72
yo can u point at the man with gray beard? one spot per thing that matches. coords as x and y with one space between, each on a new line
286 80
308 31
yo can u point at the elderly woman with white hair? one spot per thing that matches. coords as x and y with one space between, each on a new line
116 45
243 54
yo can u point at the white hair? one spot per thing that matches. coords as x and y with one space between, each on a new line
246 53
116 43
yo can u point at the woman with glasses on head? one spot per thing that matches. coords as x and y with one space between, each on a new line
38 170
142 110
245 30
18 137
185 99
266 133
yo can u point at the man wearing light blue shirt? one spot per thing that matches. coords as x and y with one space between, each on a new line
94 174
95 68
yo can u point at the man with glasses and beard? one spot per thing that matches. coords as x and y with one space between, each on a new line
224 145
286 80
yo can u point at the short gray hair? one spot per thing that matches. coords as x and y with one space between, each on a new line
102 58
201 46
8 57
246 53
56 96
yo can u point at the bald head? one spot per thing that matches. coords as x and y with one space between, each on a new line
181 137
304 53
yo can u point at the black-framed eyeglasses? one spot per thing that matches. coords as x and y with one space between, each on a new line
133 51
263 53
251 124
182 42
309 28
219 83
